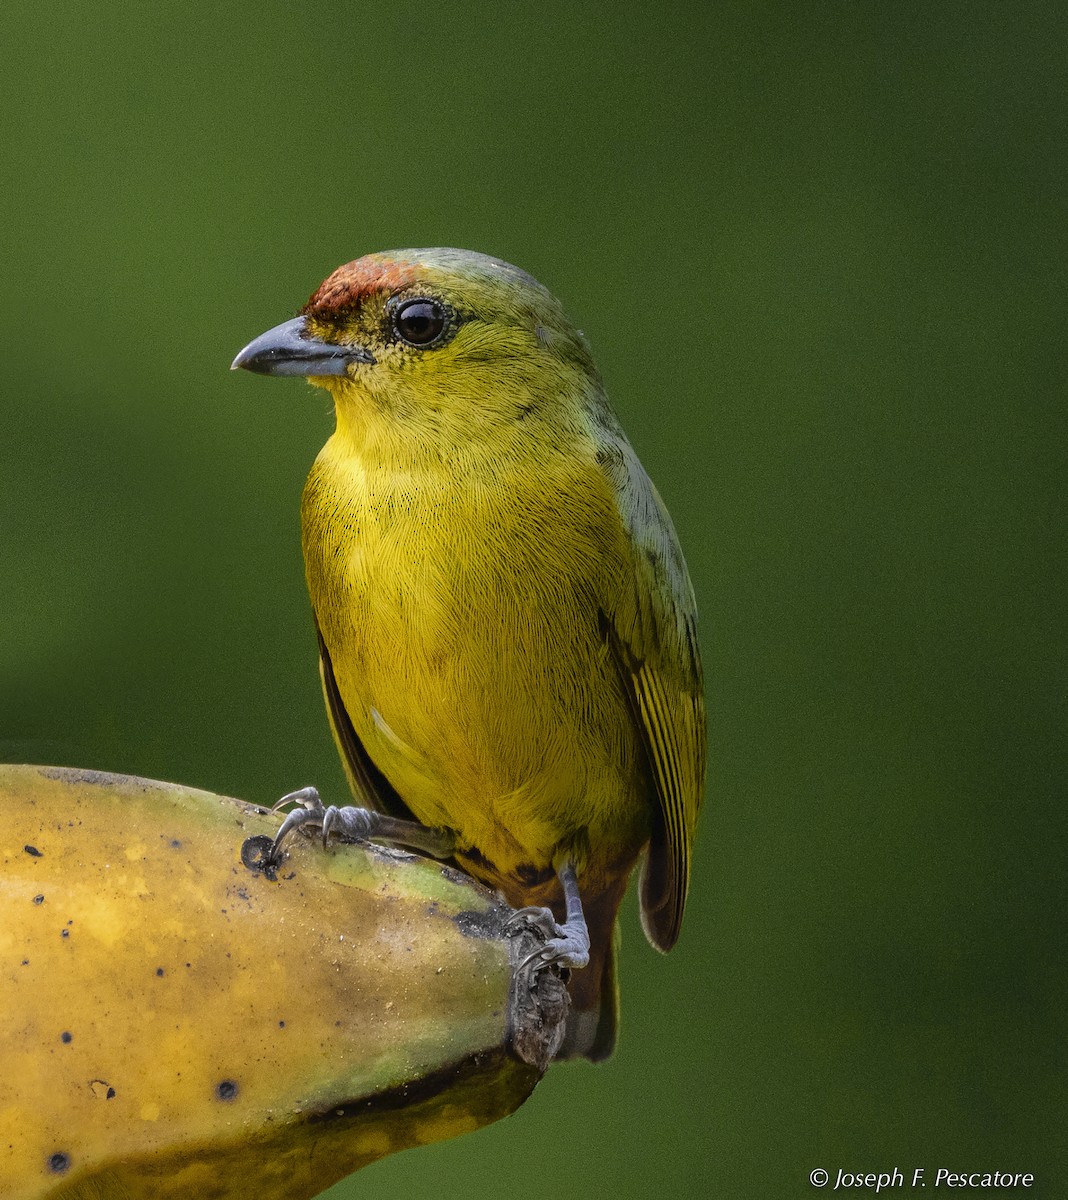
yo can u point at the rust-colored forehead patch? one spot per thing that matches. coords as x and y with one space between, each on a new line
353 282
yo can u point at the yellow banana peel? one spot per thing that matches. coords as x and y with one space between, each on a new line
178 1017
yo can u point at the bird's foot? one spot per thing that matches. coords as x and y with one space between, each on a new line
566 945
349 822
359 824
538 998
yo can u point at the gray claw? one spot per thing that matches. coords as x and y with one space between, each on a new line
329 820
309 811
306 797
571 950
565 945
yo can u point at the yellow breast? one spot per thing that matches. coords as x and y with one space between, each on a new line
461 616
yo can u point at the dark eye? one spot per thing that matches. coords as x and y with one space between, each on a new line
419 322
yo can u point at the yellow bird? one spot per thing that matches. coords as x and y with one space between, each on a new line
507 630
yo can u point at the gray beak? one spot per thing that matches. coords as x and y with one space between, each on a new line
288 349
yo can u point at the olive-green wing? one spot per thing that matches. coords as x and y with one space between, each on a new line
370 787
651 627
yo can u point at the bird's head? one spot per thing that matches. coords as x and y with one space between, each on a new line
438 345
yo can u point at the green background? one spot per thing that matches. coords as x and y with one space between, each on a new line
818 250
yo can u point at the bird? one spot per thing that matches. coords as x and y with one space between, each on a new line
507 628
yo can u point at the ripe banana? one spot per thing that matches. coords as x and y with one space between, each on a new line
180 1019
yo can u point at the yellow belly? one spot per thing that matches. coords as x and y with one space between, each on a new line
462 623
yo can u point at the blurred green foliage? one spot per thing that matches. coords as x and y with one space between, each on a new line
819 251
